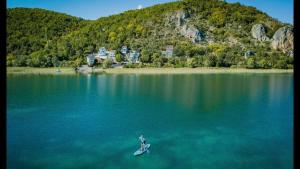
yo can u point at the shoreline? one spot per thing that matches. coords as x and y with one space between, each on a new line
199 70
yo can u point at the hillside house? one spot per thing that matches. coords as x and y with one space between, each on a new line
124 50
112 55
90 59
102 53
169 50
134 56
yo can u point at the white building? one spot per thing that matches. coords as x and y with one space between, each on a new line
102 53
134 56
169 50
90 59
112 55
124 50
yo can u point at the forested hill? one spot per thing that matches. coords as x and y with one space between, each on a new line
28 30
213 32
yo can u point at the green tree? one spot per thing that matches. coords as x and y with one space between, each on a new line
180 62
145 56
55 61
38 59
10 60
112 36
281 64
218 17
192 62
251 64
263 63
77 62
119 57
158 61
220 61
88 50
210 61
241 64
171 61
155 56
178 51
200 61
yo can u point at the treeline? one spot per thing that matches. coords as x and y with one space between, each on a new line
41 38
214 56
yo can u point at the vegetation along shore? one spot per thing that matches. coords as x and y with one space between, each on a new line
69 70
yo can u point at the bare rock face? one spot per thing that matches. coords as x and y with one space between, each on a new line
181 21
291 53
192 33
283 39
258 32
181 18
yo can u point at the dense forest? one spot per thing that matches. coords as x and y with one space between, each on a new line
42 38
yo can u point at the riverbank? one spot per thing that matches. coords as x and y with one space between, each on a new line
192 70
32 70
201 70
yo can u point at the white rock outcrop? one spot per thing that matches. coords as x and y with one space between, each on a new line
258 32
283 39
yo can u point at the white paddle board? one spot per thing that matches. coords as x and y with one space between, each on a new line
139 151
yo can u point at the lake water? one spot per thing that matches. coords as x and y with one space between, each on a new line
208 121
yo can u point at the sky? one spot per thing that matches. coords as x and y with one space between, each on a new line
283 10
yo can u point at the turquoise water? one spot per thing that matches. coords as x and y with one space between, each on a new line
210 121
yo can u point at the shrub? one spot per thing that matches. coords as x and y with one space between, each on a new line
133 65
145 56
200 61
10 60
171 61
158 61
180 62
251 64
263 63
119 57
210 61
241 64
107 63
191 62
281 64
290 66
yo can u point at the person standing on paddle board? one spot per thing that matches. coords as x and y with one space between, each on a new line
143 142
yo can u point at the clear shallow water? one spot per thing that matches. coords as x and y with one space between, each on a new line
211 121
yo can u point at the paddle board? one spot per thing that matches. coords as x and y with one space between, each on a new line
139 151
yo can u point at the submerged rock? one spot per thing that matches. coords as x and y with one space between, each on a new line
283 39
258 32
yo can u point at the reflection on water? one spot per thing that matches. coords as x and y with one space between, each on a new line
208 92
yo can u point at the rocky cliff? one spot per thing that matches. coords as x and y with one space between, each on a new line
258 32
283 39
